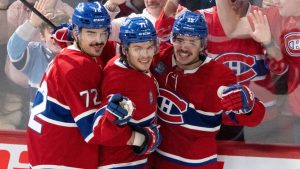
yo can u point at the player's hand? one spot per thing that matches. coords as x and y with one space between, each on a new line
62 35
236 98
151 142
120 109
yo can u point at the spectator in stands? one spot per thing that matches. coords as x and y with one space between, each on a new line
196 4
281 46
130 6
31 57
13 102
151 12
17 13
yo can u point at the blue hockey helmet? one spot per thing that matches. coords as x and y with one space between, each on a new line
137 29
91 15
190 24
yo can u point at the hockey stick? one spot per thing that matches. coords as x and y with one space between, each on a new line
28 5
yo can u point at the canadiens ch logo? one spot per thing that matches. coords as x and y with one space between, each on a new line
171 107
292 43
241 64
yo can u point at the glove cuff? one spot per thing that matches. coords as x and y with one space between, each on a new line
139 150
139 139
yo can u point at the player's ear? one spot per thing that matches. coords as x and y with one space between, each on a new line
75 34
124 50
201 49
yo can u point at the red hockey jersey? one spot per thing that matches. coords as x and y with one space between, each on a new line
141 89
60 125
190 112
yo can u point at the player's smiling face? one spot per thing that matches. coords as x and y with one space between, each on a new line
92 41
187 50
140 55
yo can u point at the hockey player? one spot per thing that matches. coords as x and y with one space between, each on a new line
60 125
126 140
244 56
194 92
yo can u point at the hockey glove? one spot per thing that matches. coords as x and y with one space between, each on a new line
236 98
62 35
120 109
152 139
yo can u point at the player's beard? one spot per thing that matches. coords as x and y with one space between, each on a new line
188 54
99 48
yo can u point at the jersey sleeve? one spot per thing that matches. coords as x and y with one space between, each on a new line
79 88
105 130
251 119
108 133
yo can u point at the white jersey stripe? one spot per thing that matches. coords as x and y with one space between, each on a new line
144 161
84 114
213 129
186 160
52 167
57 123
143 119
57 102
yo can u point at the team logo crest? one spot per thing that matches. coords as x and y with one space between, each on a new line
292 43
241 64
171 107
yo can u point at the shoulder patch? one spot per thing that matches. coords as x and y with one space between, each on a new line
160 68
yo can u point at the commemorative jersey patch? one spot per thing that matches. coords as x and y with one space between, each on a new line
150 97
292 43
160 68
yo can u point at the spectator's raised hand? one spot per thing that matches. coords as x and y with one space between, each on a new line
41 6
261 32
